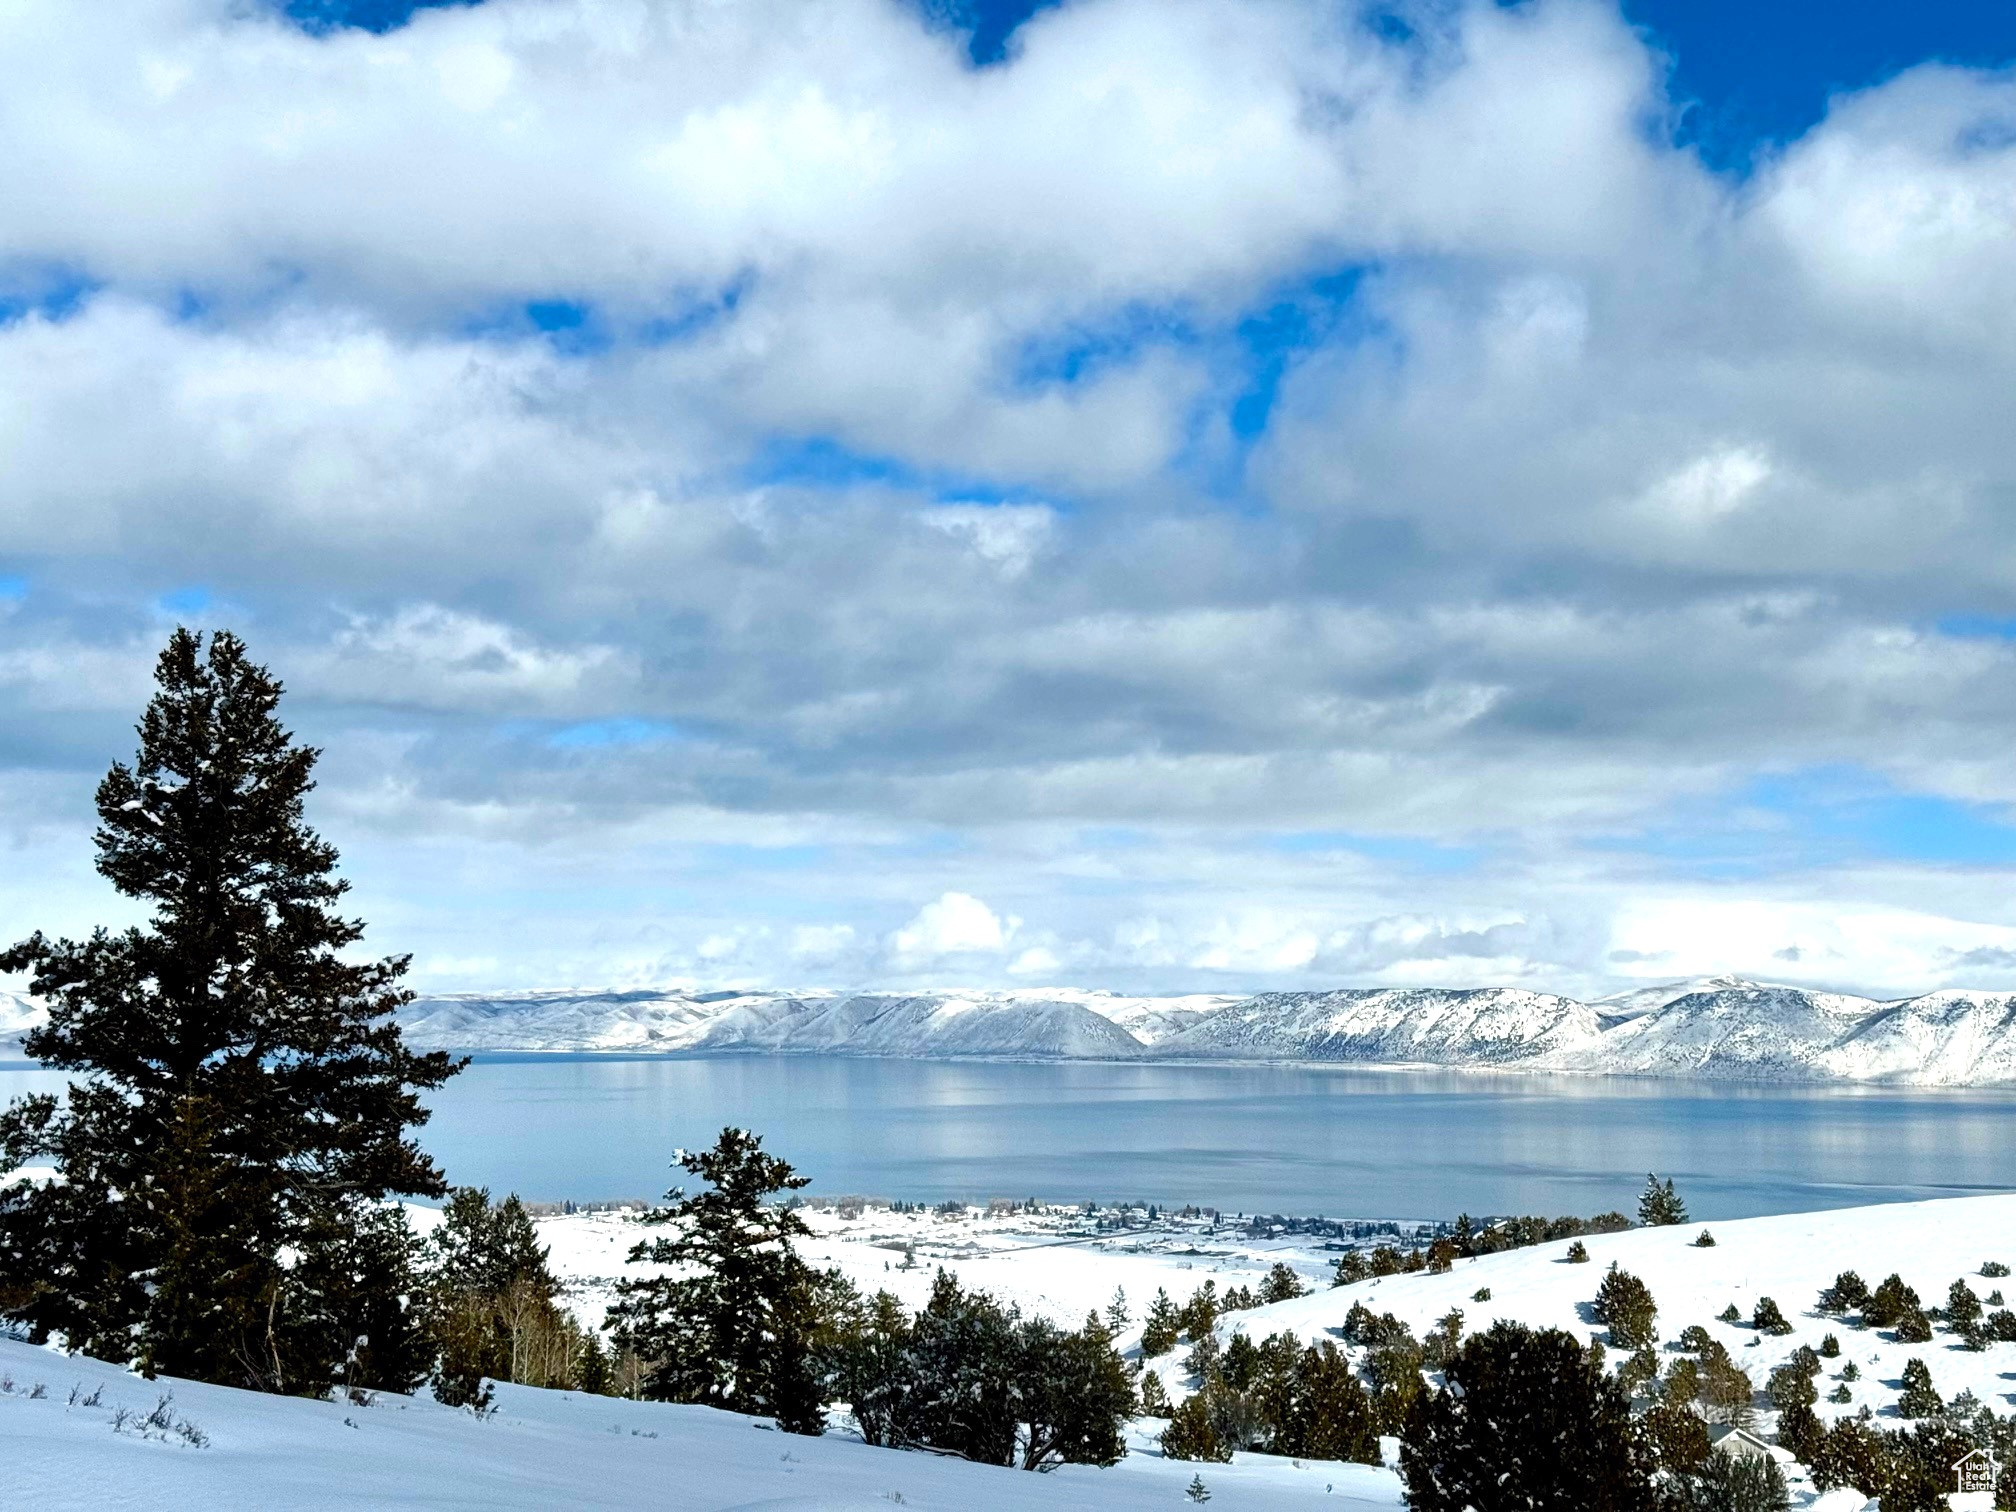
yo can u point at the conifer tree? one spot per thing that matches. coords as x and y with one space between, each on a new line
1190 1434
718 1331
1918 1398
243 1096
1659 1205
1163 1327
1625 1304
1525 1419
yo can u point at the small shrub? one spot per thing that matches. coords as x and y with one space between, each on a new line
1696 1340
1840 1395
1625 1305
1705 1240
1197 1491
1851 1371
1578 1253
1848 1294
1730 1315
1889 1303
1830 1347
1994 1298
1918 1399
1766 1318
1914 1328
1482 1294
1994 1269
1191 1435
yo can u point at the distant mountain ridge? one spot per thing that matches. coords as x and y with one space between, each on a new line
1724 1028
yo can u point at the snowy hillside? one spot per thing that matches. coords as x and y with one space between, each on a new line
1789 1259
543 1449
1486 1026
17 1016
1720 1027
1016 1022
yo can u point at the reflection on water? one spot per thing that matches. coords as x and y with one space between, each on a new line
1341 1141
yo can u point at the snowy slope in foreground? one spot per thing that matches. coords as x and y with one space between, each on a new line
546 1450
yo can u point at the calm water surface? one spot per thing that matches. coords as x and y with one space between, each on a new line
1342 1142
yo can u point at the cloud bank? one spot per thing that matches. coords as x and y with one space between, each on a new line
1239 492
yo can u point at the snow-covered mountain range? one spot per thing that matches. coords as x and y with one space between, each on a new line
1722 1027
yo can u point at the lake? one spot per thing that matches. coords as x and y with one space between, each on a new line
1340 1141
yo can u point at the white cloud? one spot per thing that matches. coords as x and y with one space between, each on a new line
954 924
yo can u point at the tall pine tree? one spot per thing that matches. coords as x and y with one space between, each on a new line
727 1327
243 1095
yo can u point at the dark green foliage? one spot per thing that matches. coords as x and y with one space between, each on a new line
1729 1314
1889 1304
1726 1391
1767 1318
1199 1316
1162 1327
1704 1240
1190 1435
723 1331
1638 1372
1841 1395
1994 1269
1918 1399
1197 1491
1154 1397
1848 1293
1918 1473
1281 1285
1804 1360
1482 1294
1851 1454
1352 1266
491 1306
1851 1371
1677 1438
1578 1253
1790 1386
1659 1206
1725 1483
1697 1340
1073 1396
970 1377
244 1096
1624 1304
1524 1420
1441 1344
1330 1415
1914 1328
1963 1307
1241 1361
1830 1347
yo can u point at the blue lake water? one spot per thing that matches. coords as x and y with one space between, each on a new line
1343 1142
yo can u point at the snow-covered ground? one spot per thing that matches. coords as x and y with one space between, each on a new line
1051 1263
556 1449
542 1451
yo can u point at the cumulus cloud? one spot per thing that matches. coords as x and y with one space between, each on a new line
1260 497
954 924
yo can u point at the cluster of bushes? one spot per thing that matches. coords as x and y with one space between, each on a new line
1166 1324
1466 1241
1278 1397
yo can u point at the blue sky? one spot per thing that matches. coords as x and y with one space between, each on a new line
1214 494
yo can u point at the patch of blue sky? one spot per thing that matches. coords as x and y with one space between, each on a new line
1405 851
743 857
600 734
190 601
1976 627
823 462
50 293
582 328
1825 816
360 15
